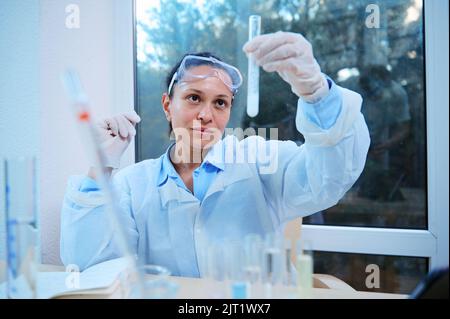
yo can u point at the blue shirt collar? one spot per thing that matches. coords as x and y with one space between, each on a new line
215 158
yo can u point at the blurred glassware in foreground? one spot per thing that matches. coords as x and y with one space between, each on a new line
21 227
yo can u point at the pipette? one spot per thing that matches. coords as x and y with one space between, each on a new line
80 106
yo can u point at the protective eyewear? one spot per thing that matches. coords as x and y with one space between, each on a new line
187 72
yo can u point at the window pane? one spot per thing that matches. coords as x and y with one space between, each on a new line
386 66
396 274
382 61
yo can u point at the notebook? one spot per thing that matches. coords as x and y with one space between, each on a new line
101 279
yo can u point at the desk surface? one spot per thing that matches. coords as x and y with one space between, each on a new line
195 288
201 288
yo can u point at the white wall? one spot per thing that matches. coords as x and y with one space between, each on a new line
19 89
92 51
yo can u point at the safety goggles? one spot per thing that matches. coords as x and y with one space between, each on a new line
187 72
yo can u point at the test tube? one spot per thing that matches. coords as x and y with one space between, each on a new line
288 279
254 29
253 262
253 246
234 255
214 269
273 262
304 269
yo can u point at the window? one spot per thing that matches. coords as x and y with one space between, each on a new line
387 208
386 66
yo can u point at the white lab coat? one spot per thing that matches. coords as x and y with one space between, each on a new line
168 226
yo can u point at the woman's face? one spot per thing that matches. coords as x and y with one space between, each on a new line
199 110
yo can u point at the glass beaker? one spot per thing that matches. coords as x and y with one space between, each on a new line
153 282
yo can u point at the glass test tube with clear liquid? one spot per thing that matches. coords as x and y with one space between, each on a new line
273 263
253 258
252 264
254 29
305 268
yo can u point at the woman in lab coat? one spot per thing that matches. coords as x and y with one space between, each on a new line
207 189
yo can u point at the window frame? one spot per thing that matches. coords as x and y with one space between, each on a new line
432 243
124 78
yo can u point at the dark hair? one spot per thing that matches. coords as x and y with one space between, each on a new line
175 68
